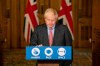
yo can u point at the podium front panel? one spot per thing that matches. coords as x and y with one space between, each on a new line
49 53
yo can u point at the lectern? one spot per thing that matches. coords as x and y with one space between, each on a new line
47 63
49 56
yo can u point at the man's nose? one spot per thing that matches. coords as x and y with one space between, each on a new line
50 22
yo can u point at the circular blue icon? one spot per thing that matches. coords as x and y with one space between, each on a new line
61 51
48 51
35 51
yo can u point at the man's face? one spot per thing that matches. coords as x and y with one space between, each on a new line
50 20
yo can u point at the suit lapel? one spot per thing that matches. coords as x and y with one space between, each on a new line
55 34
46 40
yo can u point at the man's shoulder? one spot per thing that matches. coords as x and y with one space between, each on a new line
40 26
62 26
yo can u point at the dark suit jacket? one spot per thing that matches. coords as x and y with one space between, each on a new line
62 36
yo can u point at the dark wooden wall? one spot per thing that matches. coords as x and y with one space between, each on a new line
82 13
96 33
11 23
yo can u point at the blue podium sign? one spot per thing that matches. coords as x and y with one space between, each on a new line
49 53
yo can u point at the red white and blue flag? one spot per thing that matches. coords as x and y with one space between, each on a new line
65 15
31 19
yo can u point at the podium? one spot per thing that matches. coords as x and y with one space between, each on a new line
48 56
47 63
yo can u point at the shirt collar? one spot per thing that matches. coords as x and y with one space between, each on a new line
52 27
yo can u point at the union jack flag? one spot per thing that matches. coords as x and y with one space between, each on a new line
65 15
31 19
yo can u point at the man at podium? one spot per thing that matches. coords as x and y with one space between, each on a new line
52 34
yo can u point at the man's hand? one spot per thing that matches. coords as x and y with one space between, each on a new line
39 45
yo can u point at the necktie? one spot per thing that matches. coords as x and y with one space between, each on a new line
50 37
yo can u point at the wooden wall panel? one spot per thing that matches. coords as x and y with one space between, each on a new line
89 8
96 33
85 29
0 21
55 4
84 7
6 23
81 9
12 22
23 4
84 23
6 19
15 24
1 37
75 12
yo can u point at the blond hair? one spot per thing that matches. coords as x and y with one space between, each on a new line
51 10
